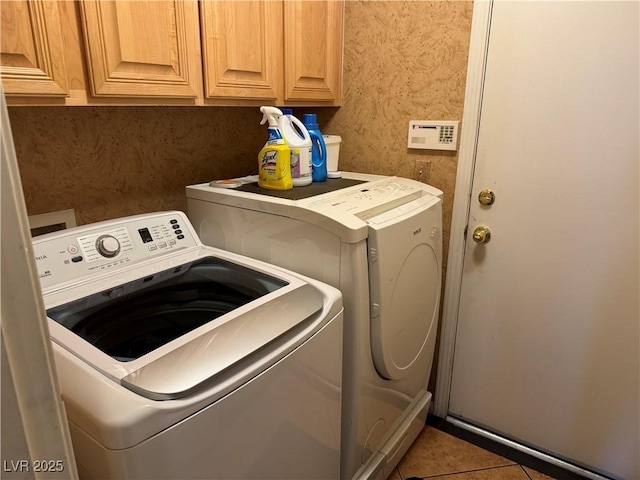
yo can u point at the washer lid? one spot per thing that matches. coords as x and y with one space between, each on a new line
163 334
185 368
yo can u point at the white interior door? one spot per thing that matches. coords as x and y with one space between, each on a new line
547 342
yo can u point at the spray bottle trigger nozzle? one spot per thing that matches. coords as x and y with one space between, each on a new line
271 114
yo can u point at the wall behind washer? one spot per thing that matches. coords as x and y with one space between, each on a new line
108 162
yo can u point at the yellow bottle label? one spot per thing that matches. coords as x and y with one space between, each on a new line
275 167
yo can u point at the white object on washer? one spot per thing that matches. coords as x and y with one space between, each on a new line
379 240
178 360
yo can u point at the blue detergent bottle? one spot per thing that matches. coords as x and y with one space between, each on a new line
318 148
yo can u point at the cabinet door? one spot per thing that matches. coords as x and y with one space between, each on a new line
142 48
313 33
32 57
242 49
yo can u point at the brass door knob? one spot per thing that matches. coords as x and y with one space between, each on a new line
486 197
481 234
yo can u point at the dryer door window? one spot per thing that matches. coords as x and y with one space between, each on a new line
135 318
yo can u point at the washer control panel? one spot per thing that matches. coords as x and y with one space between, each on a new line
107 246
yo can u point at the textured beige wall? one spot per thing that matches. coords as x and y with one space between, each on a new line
108 162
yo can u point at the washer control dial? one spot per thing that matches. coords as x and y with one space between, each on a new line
108 246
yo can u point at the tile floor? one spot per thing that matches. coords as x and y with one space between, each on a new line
438 455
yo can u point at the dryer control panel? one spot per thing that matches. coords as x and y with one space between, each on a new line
348 211
372 198
106 246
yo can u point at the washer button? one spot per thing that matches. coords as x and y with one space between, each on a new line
175 227
72 249
77 259
178 232
180 237
173 221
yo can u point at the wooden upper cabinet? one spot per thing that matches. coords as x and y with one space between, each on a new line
172 52
32 57
242 49
142 48
313 39
281 52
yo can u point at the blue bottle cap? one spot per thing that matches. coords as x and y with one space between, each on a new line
310 121
286 111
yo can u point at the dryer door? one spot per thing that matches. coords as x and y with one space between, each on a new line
405 252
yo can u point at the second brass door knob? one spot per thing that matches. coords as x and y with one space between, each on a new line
481 234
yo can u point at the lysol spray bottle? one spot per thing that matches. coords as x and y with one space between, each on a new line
274 160
299 141
319 149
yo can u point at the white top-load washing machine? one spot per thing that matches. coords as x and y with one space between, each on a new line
377 239
180 361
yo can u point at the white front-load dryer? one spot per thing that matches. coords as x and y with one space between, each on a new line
377 239
180 361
